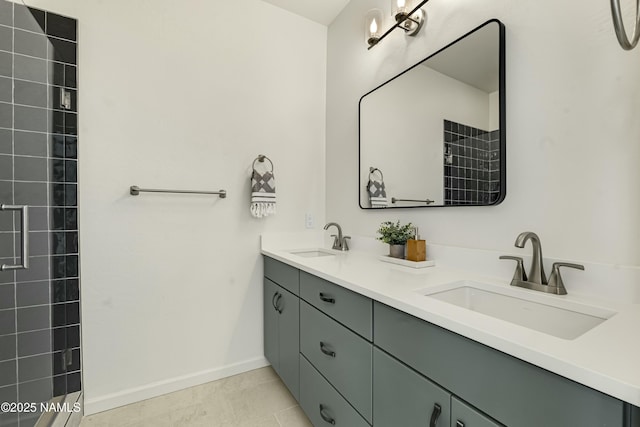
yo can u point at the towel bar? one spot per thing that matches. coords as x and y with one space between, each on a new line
134 190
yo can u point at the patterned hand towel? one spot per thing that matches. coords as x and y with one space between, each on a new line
376 190
263 192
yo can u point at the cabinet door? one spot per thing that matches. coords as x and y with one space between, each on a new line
288 309
463 415
404 398
271 352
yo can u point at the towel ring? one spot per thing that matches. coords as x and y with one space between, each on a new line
261 158
618 25
372 169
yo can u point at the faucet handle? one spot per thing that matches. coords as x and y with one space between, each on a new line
555 281
345 243
519 275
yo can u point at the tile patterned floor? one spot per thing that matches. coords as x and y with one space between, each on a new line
253 399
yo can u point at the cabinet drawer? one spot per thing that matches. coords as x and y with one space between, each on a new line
402 397
340 355
347 307
507 389
322 403
282 274
463 415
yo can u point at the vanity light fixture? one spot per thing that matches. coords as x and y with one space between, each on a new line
407 16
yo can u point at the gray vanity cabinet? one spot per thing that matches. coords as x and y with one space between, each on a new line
402 397
509 390
282 322
354 362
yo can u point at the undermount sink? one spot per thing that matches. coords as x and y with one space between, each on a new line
560 318
312 253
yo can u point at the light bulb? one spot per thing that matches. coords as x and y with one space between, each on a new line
373 29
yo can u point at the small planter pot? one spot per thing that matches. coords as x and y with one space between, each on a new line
396 251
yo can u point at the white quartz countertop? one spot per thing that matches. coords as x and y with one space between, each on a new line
605 358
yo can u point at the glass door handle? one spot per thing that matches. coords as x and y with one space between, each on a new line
24 232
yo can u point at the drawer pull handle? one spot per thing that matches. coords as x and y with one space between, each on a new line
278 308
326 417
459 423
437 410
327 299
326 351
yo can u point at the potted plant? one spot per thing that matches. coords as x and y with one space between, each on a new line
396 236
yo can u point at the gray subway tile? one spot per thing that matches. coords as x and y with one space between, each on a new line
29 93
6 115
35 367
7 243
38 270
27 68
38 243
33 318
7 322
37 219
6 168
6 37
9 393
6 12
29 193
29 18
6 194
32 293
7 296
29 168
29 118
29 44
6 145
7 347
36 391
32 343
6 88
6 64
8 373
30 144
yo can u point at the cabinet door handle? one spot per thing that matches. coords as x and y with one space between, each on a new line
273 301
326 417
24 224
327 299
278 308
325 350
459 423
437 410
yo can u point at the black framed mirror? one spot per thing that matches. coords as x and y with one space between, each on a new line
434 135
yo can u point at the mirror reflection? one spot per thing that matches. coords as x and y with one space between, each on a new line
434 135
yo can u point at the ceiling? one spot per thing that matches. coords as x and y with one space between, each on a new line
320 11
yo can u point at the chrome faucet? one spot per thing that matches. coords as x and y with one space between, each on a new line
339 242
536 279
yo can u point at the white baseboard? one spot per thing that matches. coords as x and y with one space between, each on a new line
148 391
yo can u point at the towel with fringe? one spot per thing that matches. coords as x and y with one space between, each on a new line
376 189
263 192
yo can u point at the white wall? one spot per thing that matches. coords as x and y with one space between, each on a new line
402 131
185 95
573 134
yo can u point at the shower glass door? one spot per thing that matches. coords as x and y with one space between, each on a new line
39 270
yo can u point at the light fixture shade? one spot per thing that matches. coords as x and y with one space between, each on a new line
401 8
373 26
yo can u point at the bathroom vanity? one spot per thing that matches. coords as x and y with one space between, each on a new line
357 345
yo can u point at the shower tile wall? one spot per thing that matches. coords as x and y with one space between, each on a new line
472 165
40 306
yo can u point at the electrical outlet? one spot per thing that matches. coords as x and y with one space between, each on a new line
308 220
